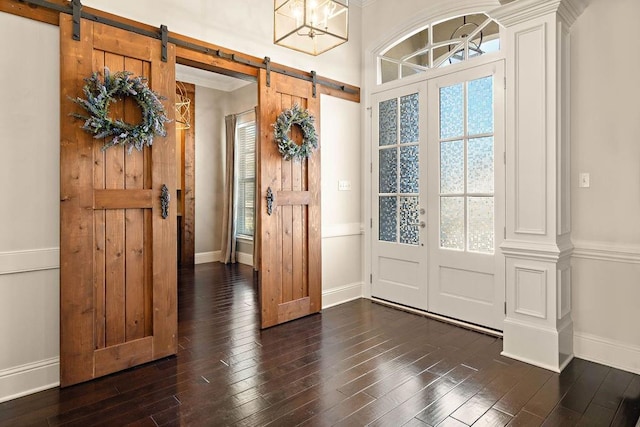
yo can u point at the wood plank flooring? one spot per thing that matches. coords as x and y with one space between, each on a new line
355 364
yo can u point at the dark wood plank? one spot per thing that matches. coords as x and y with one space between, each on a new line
358 363
584 389
76 219
122 199
99 230
629 410
115 228
550 394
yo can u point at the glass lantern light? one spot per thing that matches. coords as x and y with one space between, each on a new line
310 26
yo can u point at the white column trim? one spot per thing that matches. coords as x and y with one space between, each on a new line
525 10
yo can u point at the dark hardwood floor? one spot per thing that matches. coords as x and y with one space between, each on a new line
355 364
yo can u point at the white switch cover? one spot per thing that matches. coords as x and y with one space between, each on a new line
344 185
584 180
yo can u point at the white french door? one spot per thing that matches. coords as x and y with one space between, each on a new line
399 209
466 177
435 247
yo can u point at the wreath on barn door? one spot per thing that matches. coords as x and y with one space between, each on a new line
100 93
287 147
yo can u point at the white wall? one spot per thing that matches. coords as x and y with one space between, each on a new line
605 124
342 239
211 108
29 218
209 133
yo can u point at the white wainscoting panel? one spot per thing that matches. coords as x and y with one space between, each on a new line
29 285
29 378
564 292
606 277
30 260
530 131
341 230
531 292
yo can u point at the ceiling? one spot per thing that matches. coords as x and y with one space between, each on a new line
208 79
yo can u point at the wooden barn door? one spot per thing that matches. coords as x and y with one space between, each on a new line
290 272
118 289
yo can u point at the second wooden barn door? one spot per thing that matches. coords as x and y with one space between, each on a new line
290 267
118 301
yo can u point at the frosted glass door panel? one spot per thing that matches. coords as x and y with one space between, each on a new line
399 169
467 166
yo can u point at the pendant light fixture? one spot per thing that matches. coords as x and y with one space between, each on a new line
311 26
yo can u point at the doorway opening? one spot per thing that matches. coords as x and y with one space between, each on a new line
203 169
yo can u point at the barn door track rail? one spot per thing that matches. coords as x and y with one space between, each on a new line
75 9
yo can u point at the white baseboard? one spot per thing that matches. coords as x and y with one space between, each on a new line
608 352
341 294
29 378
204 257
243 258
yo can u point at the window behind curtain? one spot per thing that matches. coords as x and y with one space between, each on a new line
245 174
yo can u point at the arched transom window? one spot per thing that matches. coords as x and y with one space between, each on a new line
438 45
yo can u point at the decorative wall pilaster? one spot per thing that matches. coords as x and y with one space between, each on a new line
538 328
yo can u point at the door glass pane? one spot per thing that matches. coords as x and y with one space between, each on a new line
388 126
480 165
388 170
409 220
409 168
480 106
481 225
452 222
451 111
388 211
409 116
452 167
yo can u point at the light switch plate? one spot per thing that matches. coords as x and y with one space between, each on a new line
344 185
585 180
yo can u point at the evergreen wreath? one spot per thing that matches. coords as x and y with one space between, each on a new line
101 93
282 127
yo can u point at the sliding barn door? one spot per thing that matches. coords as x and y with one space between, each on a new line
290 272
118 278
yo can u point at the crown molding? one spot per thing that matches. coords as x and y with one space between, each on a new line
525 10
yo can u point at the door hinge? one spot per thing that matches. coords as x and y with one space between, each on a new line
371 278
371 223
505 307
371 167
504 232
505 83
504 157
370 111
